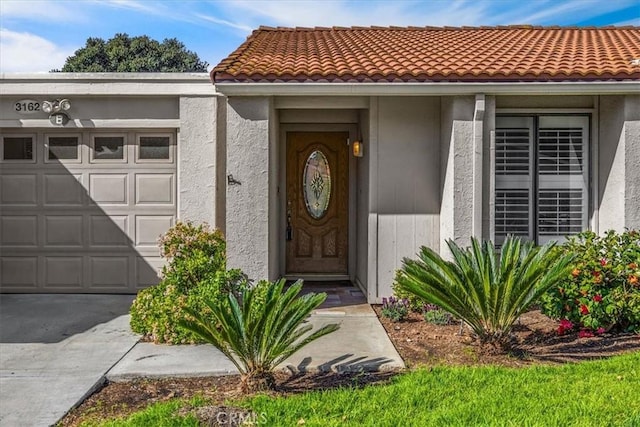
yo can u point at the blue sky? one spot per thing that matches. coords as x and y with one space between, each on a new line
36 36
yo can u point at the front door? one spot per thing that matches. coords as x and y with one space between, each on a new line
317 202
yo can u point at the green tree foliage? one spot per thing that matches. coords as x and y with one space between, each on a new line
485 290
260 329
124 54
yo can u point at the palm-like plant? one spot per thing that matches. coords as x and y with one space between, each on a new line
260 330
485 290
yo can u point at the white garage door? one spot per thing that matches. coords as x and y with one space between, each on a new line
82 211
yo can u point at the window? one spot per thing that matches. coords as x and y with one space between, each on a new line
108 148
542 177
18 148
154 148
61 147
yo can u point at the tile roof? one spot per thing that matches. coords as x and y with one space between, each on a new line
420 54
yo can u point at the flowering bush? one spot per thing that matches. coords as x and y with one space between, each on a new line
195 272
395 309
602 292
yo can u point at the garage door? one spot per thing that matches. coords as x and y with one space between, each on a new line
82 211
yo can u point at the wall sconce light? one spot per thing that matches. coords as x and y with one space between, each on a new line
357 148
56 106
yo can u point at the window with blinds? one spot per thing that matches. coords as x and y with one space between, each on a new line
541 177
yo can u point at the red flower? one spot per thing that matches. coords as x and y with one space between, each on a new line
603 262
633 279
561 330
597 298
584 309
585 333
566 324
600 330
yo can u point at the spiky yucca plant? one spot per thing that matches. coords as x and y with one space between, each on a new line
486 290
260 330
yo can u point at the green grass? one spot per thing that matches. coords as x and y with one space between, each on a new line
586 394
598 393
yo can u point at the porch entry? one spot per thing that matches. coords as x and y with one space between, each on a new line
317 205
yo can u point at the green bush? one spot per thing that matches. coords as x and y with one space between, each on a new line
435 315
259 329
602 291
395 309
486 291
415 302
195 272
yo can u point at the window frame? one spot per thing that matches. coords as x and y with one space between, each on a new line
34 148
125 146
589 157
172 145
47 138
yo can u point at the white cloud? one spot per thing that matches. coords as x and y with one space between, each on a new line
26 52
42 10
213 19
353 13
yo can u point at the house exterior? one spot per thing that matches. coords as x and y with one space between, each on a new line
325 153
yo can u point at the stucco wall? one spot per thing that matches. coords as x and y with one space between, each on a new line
362 200
619 162
100 108
456 211
408 182
248 214
611 165
197 159
632 161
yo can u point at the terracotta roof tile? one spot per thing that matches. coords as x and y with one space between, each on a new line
508 53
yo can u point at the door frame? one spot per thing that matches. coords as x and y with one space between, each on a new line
351 128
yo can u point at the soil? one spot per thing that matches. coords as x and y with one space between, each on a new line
535 341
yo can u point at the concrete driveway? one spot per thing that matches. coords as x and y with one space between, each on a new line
55 349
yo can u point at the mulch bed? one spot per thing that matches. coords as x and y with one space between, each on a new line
418 342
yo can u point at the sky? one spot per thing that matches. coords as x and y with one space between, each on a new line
38 35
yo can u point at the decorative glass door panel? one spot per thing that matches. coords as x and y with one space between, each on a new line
317 202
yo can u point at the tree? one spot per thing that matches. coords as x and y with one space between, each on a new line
124 54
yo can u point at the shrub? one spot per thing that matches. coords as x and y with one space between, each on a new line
195 271
434 314
260 329
602 290
415 302
486 291
395 309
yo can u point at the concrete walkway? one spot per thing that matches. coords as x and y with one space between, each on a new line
56 349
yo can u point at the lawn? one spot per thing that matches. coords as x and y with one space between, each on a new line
594 393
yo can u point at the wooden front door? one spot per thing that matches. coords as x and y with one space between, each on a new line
317 202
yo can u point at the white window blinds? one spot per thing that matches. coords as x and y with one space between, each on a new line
541 170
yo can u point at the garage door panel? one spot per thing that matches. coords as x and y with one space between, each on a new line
19 231
150 228
109 230
18 190
88 225
109 271
154 188
63 230
63 272
19 272
147 271
63 189
108 188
